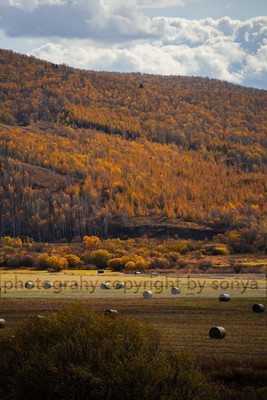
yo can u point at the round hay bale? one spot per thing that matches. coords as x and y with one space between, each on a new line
39 316
217 332
2 323
29 285
119 285
47 285
258 308
147 294
104 285
176 290
111 313
224 297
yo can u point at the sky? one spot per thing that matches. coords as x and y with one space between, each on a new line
221 39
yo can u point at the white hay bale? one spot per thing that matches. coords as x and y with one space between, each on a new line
119 285
2 323
176 290
217 332
147 294
47 285
258 308
29 285
224 297
111 313
104 285
39 316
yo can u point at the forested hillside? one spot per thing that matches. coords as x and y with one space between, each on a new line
81 150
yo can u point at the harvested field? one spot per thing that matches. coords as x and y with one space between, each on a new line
184 323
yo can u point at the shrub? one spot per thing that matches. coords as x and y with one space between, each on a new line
140 263
161 263
100 258
80 355
38 247
162 249
8 250
14 262
179 246
18 242
63 250
181 263
203 252
121 252
130 265
184 249
172 258
116 264
246 240
27 261
204 265
57 263
41 261
73 261
216 251
7 241
91 242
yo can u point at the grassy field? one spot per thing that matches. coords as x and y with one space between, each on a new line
183 322
81 284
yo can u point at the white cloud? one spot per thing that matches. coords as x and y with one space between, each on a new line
115 35
83 19
32 4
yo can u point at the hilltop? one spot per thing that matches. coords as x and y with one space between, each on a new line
84 152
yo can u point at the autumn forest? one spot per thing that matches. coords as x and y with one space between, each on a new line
82 152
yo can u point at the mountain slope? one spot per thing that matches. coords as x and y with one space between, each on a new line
88 152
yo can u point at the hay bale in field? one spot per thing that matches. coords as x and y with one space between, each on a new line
176 290
39 316
258 308
111 313
47 285
2 323
217 332
119 285
147 294
29 285
224 297
104 285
